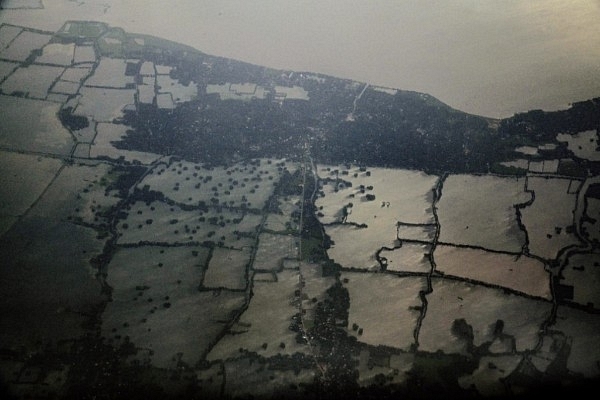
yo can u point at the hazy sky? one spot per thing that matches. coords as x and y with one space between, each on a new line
487 57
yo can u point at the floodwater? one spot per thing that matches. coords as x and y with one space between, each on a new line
481 56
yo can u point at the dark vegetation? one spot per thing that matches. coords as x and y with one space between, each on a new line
406 130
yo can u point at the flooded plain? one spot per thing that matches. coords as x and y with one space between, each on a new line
484 57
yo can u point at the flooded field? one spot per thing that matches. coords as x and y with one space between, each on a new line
480 211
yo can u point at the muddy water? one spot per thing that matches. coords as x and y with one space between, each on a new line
481 56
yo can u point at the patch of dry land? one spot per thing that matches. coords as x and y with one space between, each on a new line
362 207
549 220
519 273
384 308
504 322
480 211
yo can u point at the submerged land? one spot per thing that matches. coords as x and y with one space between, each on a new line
179 225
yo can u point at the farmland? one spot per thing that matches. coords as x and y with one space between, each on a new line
200 226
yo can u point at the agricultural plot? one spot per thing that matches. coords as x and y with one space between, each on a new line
33 125
165 101
6 68
80 194
23 45
314 287
147 69
520 163
242 92
104 105
84 54
354 247
76 75
246 378
480 211
110 73
581 329
157 305
582 273
549 220
247 185
583 144
158 222
384 308
65 87
103 145
7 34
264 327
47 280
272 250
395 368
87 134
180 93
57 54
287 219
488 378
377 193
522 274
145 94
422 233
589 227
34 80
291 93
227 269
461 315
49 277
368 205
411 257
23 178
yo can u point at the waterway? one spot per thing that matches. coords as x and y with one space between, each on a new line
485 57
